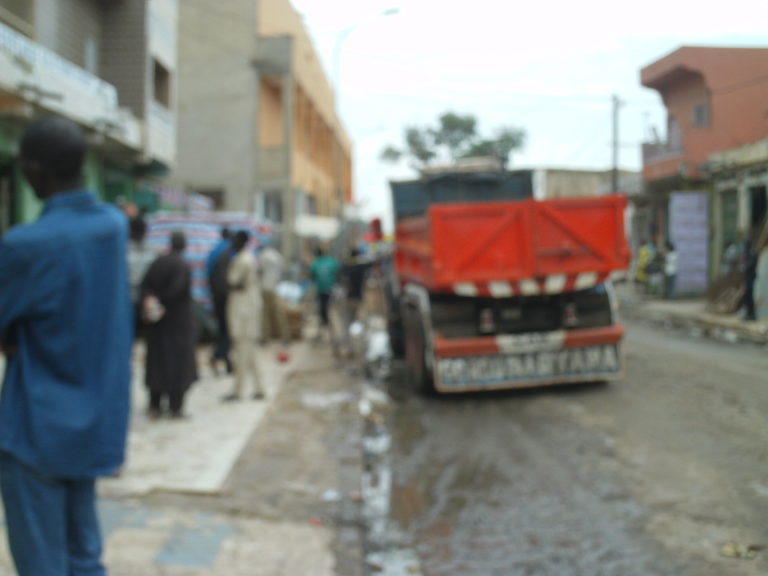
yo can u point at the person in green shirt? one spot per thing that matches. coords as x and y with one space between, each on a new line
324 272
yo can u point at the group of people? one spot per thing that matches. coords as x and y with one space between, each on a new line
245 309
656 270
246 306
348 279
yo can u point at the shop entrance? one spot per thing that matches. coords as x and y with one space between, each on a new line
759 206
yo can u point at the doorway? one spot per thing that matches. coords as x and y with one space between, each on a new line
758 206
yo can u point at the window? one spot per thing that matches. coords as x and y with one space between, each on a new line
91 57
311 205
19 15
701 115
162 84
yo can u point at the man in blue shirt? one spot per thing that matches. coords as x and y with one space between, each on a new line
216 268
65 324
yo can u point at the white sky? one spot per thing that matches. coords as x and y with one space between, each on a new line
549 67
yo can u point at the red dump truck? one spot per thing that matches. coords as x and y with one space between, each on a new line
491 289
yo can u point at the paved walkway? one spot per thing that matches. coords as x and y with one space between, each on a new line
193 455
196 456
691 314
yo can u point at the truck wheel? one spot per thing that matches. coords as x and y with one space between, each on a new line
396 343
394 322
419 375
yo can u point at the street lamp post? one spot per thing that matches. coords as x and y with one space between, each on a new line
339 42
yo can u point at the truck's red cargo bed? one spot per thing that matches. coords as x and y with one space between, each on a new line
513 248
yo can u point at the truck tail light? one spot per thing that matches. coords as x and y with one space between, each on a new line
570 317
487 323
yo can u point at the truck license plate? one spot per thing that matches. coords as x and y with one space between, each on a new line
544 367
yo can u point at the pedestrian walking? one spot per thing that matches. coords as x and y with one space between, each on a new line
670 271
171 339
750 275
244 315
271 266
323 272
353 275
65 324
217 267
140 257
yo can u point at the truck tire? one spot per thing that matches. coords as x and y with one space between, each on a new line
396 340
419 375
394 322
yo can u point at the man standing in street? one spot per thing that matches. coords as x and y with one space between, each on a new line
171 366
244 316
750 275
323 272
670 271
65 323
216 271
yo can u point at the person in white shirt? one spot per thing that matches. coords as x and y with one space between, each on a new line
271 269
670 271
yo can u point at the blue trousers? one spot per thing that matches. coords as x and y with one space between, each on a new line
53 528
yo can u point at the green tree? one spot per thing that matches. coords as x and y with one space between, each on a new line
456 133
455 136
507 140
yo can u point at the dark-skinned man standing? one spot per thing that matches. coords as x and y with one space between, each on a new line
65 322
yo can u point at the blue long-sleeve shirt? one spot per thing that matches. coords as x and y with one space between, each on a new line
217 251
65 308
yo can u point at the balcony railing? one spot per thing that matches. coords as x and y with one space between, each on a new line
39 76
660 151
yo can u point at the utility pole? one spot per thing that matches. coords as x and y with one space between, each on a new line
615 172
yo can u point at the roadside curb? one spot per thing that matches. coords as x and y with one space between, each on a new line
699 322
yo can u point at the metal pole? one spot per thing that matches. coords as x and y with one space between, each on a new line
615 170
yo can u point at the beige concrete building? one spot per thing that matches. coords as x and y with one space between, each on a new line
258 129
570 183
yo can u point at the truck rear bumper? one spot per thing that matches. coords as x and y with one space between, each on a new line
527 360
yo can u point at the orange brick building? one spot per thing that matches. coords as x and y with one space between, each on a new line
717 101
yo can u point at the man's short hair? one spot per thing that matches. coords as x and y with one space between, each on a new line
57 145
240 239
178 241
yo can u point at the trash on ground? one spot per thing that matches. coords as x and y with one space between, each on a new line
743 551
324 401
331 496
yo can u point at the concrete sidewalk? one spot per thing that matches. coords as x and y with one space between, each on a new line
690 314
251 488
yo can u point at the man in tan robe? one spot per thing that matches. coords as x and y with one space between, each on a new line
244 317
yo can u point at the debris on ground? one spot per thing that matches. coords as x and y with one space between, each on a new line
741 551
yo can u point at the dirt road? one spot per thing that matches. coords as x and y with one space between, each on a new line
665 472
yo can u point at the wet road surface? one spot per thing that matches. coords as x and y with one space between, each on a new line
661 473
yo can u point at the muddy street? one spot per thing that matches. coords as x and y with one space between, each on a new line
661 473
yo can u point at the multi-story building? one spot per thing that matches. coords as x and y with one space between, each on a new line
716 101
109 66
258 128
